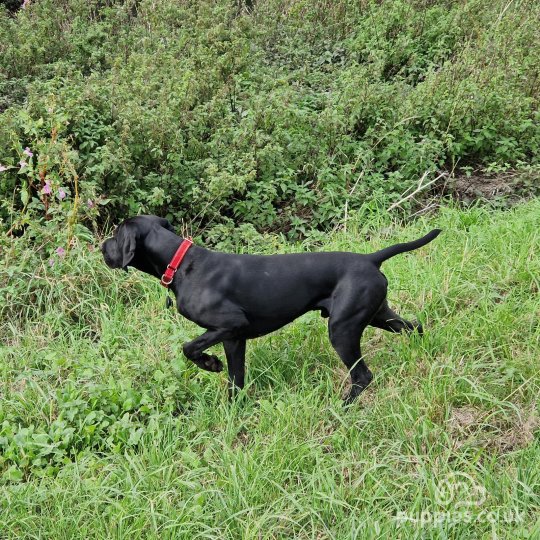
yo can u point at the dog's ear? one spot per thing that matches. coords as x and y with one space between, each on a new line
166 225
126 240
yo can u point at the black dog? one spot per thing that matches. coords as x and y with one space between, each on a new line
239 297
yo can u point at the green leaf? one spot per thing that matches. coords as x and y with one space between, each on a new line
24 197
13 474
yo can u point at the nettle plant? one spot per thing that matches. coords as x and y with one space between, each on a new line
39 169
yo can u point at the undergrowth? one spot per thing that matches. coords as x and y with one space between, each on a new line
277 115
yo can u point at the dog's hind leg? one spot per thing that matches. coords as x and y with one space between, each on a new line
235 351
389 320
350 313
345 338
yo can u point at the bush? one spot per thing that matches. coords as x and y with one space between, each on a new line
279 116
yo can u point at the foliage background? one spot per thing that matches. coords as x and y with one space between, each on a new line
279 115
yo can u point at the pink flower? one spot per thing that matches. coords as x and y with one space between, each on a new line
90 203
51 262
61 194
3 168
28 152
23 163
60 251
47 190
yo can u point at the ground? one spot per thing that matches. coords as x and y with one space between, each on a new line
107 431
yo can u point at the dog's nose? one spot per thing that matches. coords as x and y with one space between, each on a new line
109 260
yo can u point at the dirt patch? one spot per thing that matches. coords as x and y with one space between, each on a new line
511 186
241 439
463 418
502 434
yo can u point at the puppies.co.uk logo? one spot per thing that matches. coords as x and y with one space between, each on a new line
459 499
460 491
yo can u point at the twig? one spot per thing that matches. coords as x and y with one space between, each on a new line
420 187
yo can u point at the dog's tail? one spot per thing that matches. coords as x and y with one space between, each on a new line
380 256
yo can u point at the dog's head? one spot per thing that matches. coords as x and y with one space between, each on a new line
121 250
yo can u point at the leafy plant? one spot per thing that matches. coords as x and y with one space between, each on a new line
281 115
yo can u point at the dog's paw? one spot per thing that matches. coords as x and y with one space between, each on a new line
350 398
212 363
357 389
209 362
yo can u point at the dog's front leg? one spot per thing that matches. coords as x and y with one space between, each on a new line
235 351
194 350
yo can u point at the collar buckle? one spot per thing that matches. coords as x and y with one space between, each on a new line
166 280
172 267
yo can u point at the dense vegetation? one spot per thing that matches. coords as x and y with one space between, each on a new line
281 115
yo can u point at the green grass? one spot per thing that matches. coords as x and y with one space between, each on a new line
107 432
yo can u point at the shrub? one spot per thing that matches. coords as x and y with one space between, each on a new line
279 115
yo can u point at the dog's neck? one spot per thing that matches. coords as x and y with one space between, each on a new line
160 253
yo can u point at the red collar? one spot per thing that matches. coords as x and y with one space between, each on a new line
172 267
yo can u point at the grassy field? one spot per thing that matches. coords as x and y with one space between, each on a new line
106 431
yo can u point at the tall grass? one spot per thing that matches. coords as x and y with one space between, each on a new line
106 431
